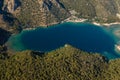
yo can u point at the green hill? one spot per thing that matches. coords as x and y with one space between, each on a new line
65 63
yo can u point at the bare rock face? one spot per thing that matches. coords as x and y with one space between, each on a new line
31 13
34 13
42 12
11 5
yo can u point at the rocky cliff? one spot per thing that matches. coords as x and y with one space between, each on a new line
42 12
11 5
30 13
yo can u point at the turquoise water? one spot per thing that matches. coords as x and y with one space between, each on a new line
84 36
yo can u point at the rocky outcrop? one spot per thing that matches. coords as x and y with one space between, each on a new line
11 5
33 13
42 12
9 23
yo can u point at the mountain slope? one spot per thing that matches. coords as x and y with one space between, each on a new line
66 63
48 12
41 12
100 10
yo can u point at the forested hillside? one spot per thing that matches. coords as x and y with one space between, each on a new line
65 63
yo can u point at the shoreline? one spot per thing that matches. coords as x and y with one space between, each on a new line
27 29
105 24
74 19
80 20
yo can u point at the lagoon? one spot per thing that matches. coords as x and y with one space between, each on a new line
84 36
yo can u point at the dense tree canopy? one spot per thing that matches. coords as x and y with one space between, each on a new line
65 63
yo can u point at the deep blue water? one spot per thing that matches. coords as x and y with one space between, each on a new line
84 36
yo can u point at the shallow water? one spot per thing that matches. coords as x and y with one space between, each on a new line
84 36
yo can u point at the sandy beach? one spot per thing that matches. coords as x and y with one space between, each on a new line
105 24
74 19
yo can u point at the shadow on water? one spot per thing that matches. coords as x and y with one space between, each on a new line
86 37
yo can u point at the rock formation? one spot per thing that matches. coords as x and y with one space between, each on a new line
34 13
11 5
42 12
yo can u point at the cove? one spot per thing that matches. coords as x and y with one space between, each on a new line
84 36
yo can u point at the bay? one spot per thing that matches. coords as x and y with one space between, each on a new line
84 36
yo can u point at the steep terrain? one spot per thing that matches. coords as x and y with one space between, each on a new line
98 10
4 37
7 19
11 6
41 12
27 14
65 63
